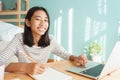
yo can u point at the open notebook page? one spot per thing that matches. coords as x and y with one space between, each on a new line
51 74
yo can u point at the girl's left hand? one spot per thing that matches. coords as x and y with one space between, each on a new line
79 61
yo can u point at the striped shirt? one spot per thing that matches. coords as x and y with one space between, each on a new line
40 54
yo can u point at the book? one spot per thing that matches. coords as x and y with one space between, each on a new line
51 74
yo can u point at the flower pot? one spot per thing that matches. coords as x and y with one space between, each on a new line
97 58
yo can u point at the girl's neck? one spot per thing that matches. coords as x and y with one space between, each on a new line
36 39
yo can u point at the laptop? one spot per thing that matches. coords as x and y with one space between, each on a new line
98 71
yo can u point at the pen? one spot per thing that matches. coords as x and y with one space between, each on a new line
28 57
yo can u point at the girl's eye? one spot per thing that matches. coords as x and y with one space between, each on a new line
37 18
46 20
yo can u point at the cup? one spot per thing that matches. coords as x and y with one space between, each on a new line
2 70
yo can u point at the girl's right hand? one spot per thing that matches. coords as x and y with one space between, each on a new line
34 68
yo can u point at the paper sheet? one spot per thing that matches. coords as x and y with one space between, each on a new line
51 74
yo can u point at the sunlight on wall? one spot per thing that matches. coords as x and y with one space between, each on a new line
96 31
102 7
55 28
87 29
94 28
70 26
119 28
103 44
103 39
57 31
102 26
98 27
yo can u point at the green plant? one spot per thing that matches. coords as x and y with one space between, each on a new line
94 48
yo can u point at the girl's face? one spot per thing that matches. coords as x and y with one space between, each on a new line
39 23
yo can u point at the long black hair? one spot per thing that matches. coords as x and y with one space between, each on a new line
27 35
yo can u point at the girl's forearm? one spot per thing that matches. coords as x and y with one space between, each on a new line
72 58
15 67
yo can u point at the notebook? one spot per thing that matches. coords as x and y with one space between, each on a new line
51 74
98 71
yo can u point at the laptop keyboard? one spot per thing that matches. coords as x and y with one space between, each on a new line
94 71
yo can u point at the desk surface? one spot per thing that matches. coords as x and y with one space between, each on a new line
61 66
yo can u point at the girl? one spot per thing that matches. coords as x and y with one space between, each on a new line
36 43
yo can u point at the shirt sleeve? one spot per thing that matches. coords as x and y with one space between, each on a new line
9 50
59 50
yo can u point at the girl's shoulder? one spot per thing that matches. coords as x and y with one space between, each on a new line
19 36
51 37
